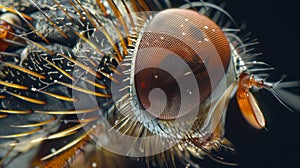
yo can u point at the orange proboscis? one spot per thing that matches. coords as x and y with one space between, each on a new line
247 102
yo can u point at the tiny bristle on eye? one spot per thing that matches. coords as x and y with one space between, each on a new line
108 83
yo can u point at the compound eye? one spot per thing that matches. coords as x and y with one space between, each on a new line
172 35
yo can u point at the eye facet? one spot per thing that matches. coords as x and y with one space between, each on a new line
185 34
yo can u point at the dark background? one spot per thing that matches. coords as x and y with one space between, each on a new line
275 24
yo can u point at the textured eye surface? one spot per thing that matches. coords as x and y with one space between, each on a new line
194 38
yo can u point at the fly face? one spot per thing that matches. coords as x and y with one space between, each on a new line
86 79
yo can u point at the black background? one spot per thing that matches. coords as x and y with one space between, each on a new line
275 24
